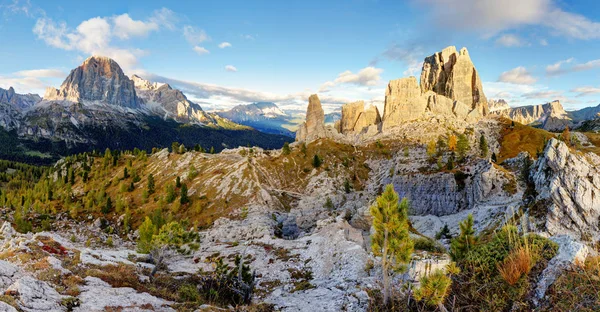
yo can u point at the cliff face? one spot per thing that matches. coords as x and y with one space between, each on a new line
355 117
98 79
568 187
452 74
450 86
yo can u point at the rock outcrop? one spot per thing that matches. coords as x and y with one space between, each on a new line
452 74
314 126
162 99
355 117
97 80
568 187
450 87
495 105
550 116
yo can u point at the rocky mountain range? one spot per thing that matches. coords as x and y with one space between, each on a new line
515 208
98 106
263 116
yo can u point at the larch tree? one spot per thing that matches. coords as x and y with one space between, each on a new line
452 143
391 240
483 146
462 146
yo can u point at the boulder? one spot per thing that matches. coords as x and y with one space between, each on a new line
36 296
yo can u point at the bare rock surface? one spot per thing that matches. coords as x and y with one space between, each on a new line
568 186
36 296
96 295
98 79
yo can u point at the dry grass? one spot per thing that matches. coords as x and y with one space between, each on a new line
521 138
594 139
518 263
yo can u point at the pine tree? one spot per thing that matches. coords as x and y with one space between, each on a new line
170 196
131 187
174 147
316 161
178 182
108 206
212 150
184 199
406 152
391 240
461 245
286 148
125 173
483 146
347 186
462 146
150 184
182 149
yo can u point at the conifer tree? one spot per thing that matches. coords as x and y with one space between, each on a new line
483 146
125 173
316 161
178 182
462 146
150 184
212 150
184 199
286 148
391 240
170 196
108 206
461 245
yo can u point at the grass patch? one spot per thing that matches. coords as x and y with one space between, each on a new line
521 138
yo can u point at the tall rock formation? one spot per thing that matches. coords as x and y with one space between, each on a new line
314 126
453 75
450 86
355 117
98 80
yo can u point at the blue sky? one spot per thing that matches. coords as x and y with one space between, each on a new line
223 53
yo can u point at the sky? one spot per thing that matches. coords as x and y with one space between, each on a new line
225 53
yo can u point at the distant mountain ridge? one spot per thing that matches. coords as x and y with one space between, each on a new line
263 116
98 106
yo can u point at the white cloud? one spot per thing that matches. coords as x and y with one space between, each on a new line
194 35
558 68
230 68
491 17
200 50
125 27
224 45
94 36
41 73
586 90
249 37
368 76
543 42
509 40
547 95
518 75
